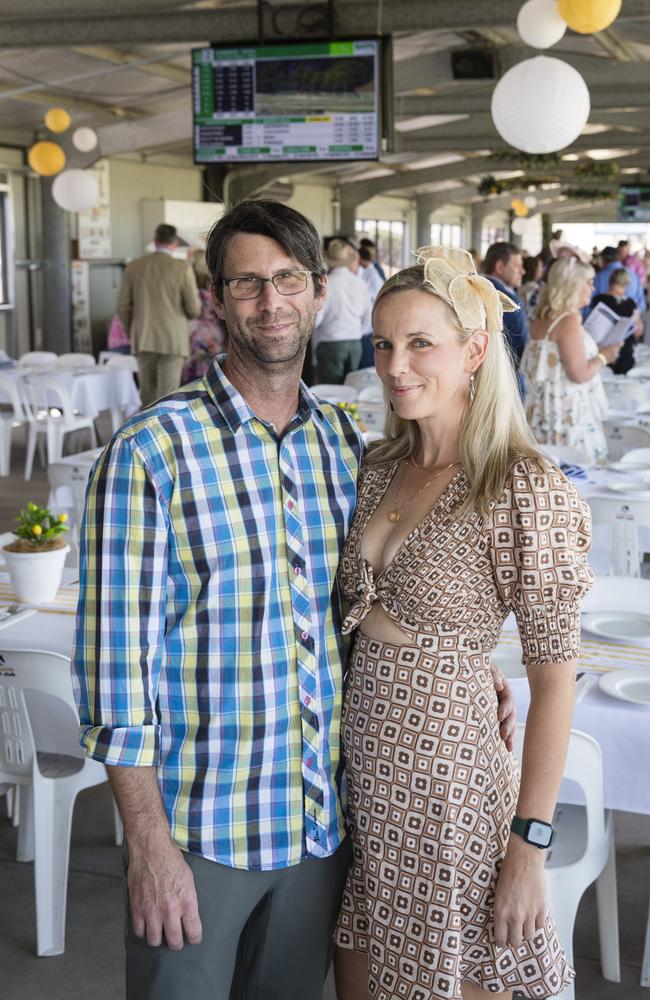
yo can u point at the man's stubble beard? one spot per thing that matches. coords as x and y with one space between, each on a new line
267 349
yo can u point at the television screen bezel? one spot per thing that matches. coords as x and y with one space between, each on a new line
385 115
619 216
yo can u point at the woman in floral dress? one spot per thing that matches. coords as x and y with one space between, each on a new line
460 521
565 402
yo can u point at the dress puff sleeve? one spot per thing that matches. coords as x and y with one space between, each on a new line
540 534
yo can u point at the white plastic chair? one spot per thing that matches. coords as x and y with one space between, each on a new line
372 393
335 393
372 415
564 455
9 420
621 437
624 518
44 359
583 852
37 394
68 482
76 359
40 753
362 378
624 395
128 362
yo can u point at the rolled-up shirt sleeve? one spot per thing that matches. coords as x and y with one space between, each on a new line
119 645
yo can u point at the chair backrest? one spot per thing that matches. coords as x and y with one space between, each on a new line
622 437
45 358
10 387
624 395
38 391
637 455
624 517
37 708
584 767
125 362
605 510
362 378
76 359
564 454
64 476
372 393
372 415
335 393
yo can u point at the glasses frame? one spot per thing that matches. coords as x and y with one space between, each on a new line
272 280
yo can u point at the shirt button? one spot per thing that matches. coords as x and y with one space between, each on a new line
290 504
304 636
307 700
309 762
296 570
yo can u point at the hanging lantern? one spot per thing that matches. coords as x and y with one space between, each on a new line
57 120
76 190
84 139
46 158
589 16
530 201
539 24
518 226
531 124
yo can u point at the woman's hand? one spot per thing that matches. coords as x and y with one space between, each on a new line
611 352
521 902
507 710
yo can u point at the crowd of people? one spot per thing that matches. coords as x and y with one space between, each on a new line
282 789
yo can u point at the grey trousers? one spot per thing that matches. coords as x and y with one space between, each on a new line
266 935
337 358
158 374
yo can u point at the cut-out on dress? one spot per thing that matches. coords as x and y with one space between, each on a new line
432 788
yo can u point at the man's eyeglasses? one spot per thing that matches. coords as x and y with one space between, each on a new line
250 286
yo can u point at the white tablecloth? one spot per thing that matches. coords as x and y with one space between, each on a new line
92 390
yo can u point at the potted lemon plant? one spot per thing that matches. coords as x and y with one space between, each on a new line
35 559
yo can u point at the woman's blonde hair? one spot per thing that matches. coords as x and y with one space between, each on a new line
493 431
561 293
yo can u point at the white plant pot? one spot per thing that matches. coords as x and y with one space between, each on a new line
36 576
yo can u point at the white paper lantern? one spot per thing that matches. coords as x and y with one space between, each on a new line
75 190
518 226
84 139
539 24
530 201
541 105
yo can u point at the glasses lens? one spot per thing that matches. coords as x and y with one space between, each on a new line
290 283
245 288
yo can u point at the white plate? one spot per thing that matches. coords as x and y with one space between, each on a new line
636 469
640 489
508 659
630 627
18 616
628 685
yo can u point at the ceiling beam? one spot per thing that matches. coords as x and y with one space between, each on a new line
52 98
444 140
104 53
230 24
614 98
356 192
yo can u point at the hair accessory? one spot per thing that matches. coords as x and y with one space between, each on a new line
475 300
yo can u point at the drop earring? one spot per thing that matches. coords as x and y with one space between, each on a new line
472 388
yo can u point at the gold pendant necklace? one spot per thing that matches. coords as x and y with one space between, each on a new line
395 514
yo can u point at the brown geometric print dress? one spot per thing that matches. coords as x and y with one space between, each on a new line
432 788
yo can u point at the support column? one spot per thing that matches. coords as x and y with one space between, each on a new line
348 218
57 291
423 223
476 228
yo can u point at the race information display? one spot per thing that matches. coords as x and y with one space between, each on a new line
318 101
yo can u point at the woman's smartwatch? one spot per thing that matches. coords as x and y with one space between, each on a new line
534 831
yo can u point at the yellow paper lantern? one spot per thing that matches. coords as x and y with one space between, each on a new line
519 208
46 158
57 120
589 16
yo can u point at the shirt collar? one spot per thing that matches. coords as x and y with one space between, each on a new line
236 410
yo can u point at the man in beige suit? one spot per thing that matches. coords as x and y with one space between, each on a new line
158 296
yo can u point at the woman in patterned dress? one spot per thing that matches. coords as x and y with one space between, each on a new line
565 402
460 521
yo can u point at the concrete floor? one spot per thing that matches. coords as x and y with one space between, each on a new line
92 963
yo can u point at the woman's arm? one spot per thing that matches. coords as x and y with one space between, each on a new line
521 902
571 345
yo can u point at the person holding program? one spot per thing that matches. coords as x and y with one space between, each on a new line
460 521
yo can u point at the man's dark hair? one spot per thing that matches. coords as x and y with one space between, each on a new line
499 252
165 234
366 253
296 235
609 254
623 243
365 242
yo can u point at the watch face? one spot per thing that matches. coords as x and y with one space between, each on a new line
539 833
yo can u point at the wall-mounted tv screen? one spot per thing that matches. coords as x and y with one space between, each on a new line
312 101
634 203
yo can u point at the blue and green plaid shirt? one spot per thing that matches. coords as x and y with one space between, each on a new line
208 638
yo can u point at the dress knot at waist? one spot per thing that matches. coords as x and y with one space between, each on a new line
367 591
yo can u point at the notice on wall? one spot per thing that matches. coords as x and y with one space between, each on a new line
81 334
95 225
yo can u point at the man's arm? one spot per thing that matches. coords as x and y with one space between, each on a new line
190 295
162 894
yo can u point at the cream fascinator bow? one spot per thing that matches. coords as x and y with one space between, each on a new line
453 276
